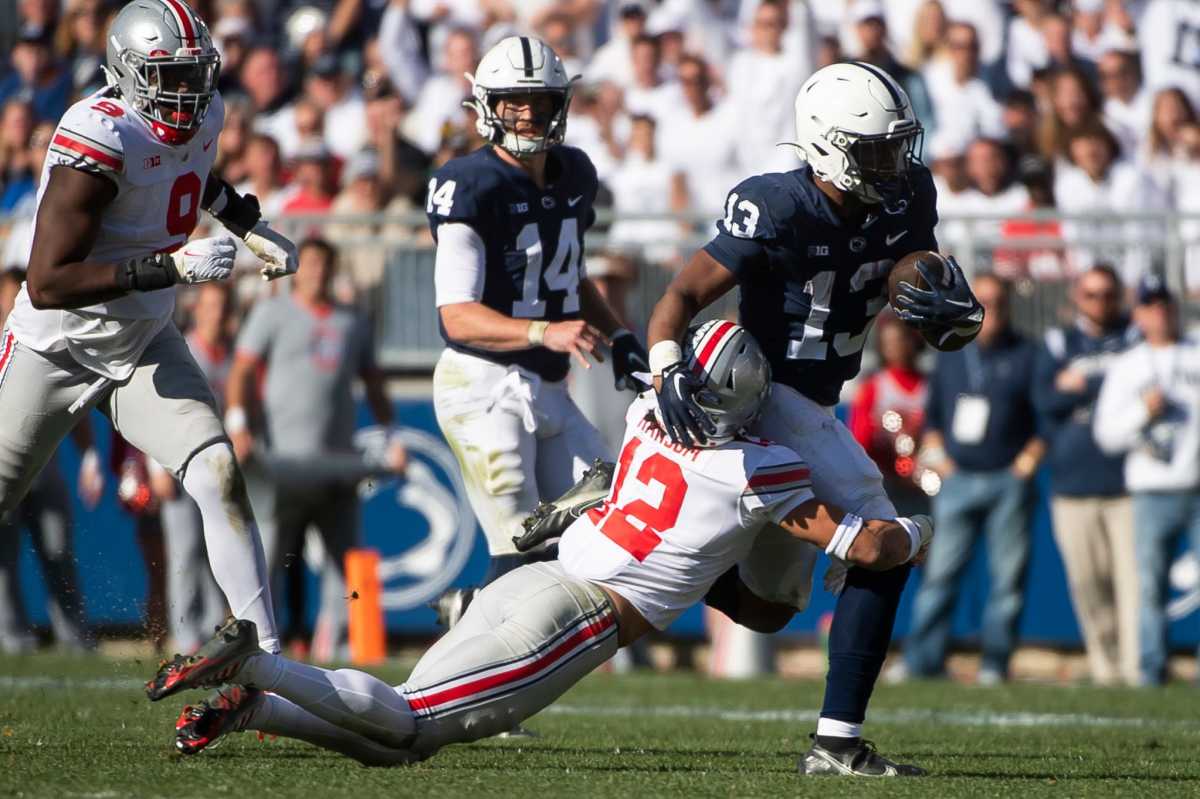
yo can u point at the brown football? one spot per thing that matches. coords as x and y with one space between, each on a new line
905 271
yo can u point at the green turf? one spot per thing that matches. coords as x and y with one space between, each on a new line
91 733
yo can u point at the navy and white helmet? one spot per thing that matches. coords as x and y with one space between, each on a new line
161 59
735 374
520 65
856 127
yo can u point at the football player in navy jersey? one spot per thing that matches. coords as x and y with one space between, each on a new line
811 250
514 301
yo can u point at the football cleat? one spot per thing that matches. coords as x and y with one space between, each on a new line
227 710
550 519
214 663
451 605
861 761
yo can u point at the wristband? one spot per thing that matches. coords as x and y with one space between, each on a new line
149 273
914 536
537 333
843 537
663 355
235 419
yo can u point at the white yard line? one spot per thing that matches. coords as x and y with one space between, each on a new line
957 718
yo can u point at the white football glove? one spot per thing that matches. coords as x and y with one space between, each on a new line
202 260
273 249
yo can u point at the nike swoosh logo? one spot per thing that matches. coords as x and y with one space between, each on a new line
960 303
207 144
893 239
573 201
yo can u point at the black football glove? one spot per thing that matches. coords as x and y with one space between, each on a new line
950 306
629 356
686 423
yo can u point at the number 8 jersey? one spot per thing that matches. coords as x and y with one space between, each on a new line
159 187
532 237
676 518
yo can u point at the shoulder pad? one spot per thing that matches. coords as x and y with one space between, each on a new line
89 136
757 208
461 189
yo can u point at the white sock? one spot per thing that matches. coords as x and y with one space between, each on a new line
235 550
277 716
838 729
350 699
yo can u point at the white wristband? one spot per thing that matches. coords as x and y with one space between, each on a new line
914 536
235 420
843 537
664 354
537 333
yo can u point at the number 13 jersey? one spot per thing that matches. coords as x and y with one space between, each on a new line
159 188
676 518
533 239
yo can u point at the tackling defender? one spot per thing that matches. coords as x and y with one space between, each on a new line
675 523
123 184
514 301
811 250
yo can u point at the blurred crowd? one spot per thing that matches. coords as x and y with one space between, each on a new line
344 106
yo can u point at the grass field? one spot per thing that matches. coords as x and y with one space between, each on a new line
75 728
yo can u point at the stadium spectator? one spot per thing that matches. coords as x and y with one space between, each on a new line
1093 514
1170 111
641 186
16 164
312 181
701 139
400 50
232 36
1074 102
870 27
402 166
1167 36
756 76
264 82
309 349
928 34
1149 408
36 75
81 41
613 60
994 190
887 415
263 170
962 101
440 102
648 92
341 105
1127 105
1095 181
1026 48
1019 115
195 605
982 440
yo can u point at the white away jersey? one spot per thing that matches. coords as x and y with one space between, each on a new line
676 519
159 188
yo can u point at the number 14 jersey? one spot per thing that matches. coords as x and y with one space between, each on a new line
159 188
676 518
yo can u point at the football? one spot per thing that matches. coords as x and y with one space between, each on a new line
905 271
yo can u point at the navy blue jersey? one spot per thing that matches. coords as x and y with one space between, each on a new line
811 283
533 238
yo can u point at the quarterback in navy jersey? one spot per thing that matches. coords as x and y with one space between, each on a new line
514 301
811 251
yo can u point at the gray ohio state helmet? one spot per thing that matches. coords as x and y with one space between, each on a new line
735 375
162 61
520 65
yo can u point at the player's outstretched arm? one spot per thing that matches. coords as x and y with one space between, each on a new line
67 224
875 544
241 216
476 325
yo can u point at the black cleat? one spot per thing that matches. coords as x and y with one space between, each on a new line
550 519
199 727
213 664
860 761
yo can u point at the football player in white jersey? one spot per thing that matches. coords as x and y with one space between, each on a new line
671 532
122 188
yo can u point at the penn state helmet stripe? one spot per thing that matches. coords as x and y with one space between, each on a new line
885 79
527 53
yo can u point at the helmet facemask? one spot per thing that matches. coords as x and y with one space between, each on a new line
503 129
174 91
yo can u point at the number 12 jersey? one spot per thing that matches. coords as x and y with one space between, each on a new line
677 518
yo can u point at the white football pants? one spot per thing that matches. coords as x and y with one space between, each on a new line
525 640
780 567
518 439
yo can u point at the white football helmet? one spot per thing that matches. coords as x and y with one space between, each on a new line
520 65
161 59
855 126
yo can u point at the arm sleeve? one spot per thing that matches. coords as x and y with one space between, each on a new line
458 266
748 227
87 139
257 332
779 484
1120 413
